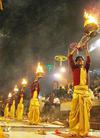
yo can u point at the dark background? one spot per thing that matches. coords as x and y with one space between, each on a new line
37 30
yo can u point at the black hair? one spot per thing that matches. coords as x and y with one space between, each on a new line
78 57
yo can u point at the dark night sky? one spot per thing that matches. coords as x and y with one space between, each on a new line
37 30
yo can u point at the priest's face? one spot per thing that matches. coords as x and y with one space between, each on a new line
80 62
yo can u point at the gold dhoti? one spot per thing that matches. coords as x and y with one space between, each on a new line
20 110
6 111
12 110
80 112
34 111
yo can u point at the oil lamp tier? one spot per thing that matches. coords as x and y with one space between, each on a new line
39 71
24 82
90 24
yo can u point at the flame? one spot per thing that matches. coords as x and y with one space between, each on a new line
16 88
9 95
39 68
24 82
89 18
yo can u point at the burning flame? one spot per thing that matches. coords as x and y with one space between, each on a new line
24 82
39 68
89 19
16 88
9 95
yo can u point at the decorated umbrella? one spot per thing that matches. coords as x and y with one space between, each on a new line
60 58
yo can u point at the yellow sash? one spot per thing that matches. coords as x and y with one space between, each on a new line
82 76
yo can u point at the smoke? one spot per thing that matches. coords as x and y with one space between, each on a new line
38 30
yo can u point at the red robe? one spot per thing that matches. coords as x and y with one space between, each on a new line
35 85
76 70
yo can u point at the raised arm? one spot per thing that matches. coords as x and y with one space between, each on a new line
87 65
70 57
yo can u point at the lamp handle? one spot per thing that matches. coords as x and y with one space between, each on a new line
83 41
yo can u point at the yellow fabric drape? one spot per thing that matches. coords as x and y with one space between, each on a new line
34 111
20 110
80 112
12 110
81 105
6 111
82 76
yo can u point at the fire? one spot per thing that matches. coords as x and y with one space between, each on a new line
9 95
24 82
16 88
89 19
39 69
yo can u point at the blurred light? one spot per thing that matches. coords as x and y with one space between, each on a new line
95 45
16 88
24 82
62 69
49 67
39 97
39 68
63 87
9 95
57 75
